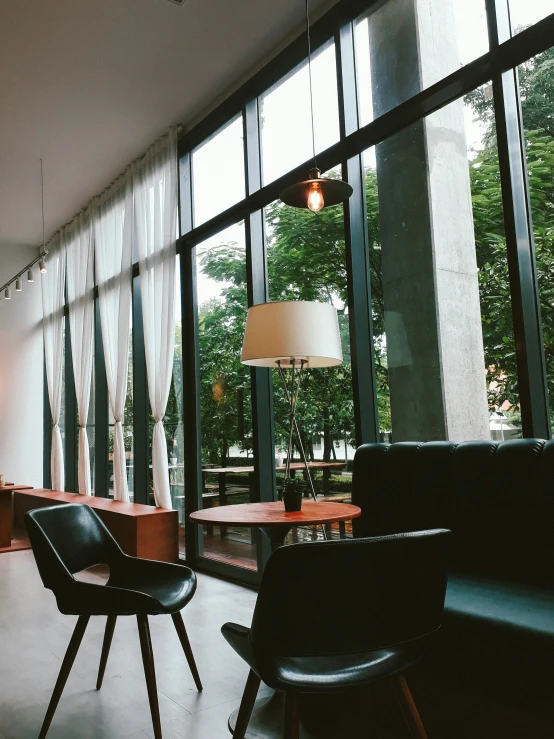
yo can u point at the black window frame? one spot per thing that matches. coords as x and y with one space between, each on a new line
499 66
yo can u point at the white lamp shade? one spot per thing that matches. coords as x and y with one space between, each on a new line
292 330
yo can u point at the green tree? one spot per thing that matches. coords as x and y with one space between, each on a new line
537 98
222 377
306 261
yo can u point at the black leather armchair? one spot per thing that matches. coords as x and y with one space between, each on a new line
388 596
70 538
497 498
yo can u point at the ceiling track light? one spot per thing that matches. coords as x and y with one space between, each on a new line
40 259
316 192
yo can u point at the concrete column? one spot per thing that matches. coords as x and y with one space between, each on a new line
429 270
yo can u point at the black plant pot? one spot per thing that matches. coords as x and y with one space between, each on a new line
293 501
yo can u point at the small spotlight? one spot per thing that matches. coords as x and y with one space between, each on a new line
8 294
30 275
18 285
42 266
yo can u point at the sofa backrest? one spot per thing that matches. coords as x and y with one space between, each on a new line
496 497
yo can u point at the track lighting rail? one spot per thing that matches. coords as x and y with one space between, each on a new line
28 268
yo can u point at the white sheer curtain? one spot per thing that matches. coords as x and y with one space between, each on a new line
53 299
155 190
77 239
113 221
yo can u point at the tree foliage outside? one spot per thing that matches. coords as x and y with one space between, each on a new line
537 97
306 261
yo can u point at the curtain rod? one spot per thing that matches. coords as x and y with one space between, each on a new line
25 269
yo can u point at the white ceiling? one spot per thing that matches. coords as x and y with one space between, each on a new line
88 84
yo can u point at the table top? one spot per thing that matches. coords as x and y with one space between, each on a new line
274 514
11 486
281 468
105 504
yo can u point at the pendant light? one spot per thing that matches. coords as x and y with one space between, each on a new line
316 192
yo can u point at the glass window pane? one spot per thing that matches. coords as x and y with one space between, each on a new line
285 115
444 342
537 102
218 172
524 13
127 429
173 423
306 261
91 428
65 326
443 36
225 394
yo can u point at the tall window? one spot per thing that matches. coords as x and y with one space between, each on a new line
443 334
225 393
306 261
536 81
437 37
127 430
173 422
285 115
218 172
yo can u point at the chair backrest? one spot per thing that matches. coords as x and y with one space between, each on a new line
497 498
67 539
352 595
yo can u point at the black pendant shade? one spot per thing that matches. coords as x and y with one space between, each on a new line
329 192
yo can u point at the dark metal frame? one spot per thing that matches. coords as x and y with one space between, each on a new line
499 65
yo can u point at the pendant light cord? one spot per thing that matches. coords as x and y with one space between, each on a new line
42 197
310 78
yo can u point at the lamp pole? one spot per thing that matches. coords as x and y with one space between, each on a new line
291 394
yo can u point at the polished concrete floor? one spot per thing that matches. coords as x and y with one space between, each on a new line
34 637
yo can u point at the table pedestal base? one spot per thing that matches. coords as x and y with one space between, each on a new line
321 717
276 535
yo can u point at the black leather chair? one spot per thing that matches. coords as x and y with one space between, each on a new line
70 538
385 598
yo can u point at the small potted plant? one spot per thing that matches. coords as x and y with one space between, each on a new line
293 492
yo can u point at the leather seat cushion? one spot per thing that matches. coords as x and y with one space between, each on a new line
171 585
498 635
326 673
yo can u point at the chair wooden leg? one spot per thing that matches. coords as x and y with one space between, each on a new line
149 672
67 664
246 705
292 717
408 708
108 634
184 639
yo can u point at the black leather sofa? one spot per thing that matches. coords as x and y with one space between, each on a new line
498 500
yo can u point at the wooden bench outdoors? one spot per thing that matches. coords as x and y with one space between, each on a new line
140 530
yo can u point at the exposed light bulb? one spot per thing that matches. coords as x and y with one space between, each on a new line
18 285
315 198
30 276
8 293
42 266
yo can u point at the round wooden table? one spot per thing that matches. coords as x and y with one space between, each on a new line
272 518
318 714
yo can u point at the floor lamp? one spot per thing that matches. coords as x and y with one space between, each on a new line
292 336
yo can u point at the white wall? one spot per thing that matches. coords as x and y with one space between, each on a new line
21 373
